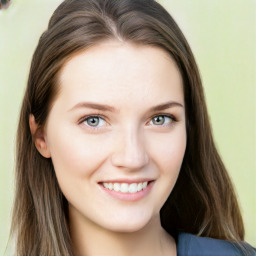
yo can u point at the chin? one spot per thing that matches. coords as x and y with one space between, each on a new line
128 228
128 224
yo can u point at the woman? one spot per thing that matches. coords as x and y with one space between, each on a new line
115 154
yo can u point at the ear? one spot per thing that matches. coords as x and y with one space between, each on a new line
39 138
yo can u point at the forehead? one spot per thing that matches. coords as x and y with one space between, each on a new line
115 70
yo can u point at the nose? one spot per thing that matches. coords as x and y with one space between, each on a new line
130 150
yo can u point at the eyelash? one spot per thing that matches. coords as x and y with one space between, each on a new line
86 118
173 119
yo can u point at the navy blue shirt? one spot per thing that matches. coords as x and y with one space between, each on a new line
191 245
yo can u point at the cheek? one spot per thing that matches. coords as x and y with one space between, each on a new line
172 156
75 153
168 151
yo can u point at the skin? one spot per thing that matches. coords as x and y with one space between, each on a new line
127 143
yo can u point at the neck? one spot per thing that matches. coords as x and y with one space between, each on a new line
89 239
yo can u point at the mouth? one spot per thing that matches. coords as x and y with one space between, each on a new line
126 187
127 191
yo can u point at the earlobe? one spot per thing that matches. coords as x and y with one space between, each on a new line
39 137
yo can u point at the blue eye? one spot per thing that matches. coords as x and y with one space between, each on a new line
94 121
97 121
161 120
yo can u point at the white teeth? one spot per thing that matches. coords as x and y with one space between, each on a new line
106 185
133 188
117 187
125 187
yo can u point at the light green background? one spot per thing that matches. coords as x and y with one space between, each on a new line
222 34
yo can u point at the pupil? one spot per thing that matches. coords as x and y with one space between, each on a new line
93 121
159 119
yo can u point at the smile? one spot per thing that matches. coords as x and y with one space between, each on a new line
127 190
125 187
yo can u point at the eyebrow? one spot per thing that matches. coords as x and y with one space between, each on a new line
166 105
108 108
94 106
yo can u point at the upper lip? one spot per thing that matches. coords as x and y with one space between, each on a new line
129 181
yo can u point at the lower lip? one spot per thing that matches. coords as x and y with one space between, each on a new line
130 197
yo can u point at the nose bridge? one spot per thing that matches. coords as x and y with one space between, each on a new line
130 149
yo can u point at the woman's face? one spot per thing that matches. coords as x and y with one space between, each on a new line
116 134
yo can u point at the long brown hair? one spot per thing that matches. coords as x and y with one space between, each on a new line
202 202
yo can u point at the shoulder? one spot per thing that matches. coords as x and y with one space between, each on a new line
191 245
